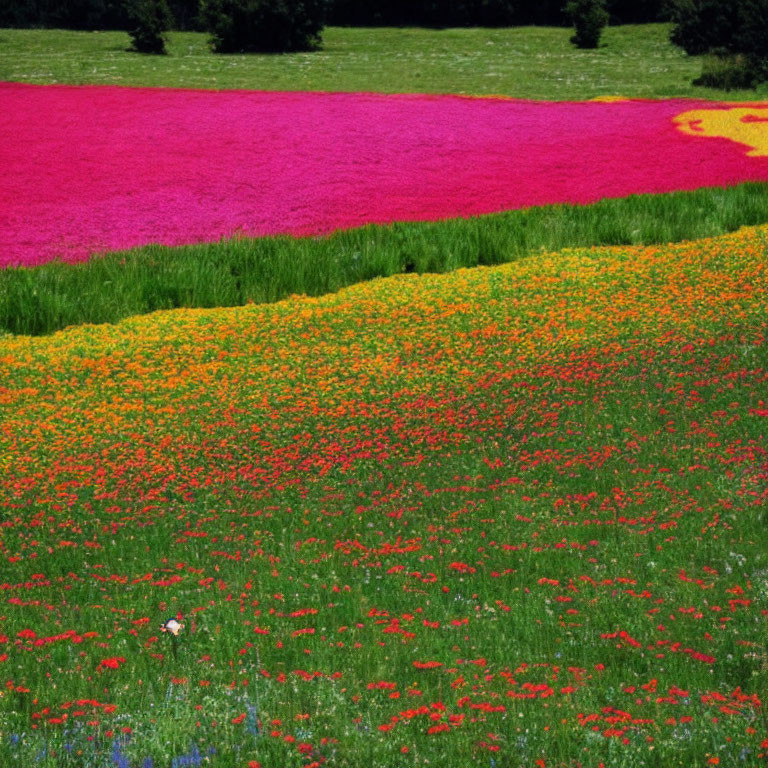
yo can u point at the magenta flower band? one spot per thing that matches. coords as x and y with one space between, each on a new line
88 169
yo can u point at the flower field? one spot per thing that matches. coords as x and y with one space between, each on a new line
507 516
91 169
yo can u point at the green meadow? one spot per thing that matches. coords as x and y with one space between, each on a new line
525 62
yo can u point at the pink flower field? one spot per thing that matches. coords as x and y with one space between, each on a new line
90 169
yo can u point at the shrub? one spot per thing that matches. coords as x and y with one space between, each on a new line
701 25
589 18
728 71
268 26
152 19
751 35
734 34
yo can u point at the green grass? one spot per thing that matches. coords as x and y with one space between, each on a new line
525 62
47 298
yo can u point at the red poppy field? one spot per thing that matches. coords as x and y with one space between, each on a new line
509 516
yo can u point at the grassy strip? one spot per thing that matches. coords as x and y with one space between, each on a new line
525 62
47 298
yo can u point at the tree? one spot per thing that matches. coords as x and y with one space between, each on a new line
152 20
589 18
266 26
701 25
734 34
751 37
637 11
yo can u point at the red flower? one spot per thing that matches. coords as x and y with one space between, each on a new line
113 662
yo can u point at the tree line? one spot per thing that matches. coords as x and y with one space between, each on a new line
118 14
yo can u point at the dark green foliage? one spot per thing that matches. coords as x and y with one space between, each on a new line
638 11
479 13
87 14
451 13
589 17
152 20
266 26
541 13
70 14
734 33
488 13
751 36
729 71
103 290
426 13
186 15
700 25
111 14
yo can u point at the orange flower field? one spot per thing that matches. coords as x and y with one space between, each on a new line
503 516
